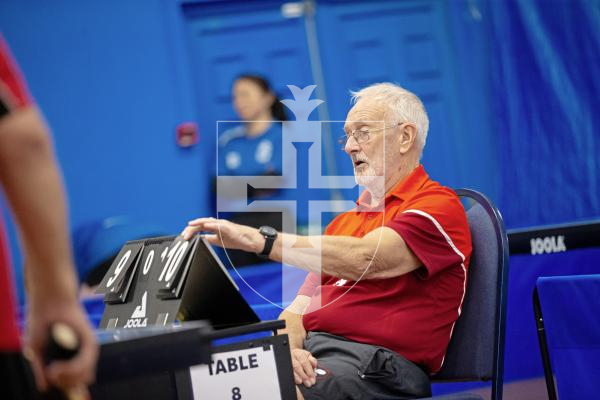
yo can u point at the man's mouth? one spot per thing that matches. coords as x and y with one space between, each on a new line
358 163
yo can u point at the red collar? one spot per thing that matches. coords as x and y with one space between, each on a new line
408 185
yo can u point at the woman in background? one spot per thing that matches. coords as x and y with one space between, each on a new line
253 148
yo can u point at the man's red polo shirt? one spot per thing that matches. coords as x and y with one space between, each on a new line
412 314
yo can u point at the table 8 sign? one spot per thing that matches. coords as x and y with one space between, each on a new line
246 374
144 283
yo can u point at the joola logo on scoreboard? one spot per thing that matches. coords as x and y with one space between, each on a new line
548 244
138 318
298 195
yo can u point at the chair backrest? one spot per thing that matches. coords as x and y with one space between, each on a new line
476 349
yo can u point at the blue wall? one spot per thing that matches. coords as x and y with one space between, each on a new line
114 78
110 79
436 49
546 76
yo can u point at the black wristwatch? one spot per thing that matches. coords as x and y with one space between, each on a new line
270 235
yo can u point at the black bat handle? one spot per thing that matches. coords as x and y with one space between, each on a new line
63 344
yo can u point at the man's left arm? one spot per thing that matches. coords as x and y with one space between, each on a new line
380 254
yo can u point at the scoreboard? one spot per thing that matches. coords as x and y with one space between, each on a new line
157 281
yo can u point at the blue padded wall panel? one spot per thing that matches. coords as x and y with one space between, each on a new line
413 43
546 90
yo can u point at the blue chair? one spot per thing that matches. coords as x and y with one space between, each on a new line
476 349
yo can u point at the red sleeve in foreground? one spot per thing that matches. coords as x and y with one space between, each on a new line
13 90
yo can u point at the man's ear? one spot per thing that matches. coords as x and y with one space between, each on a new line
408 137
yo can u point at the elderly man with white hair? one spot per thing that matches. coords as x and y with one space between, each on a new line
375 314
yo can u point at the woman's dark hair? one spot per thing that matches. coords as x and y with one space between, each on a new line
277 108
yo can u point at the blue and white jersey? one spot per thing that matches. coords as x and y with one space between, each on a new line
250 156
240 155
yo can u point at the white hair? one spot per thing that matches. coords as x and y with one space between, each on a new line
402 105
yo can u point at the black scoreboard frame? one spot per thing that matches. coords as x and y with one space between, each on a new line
144 288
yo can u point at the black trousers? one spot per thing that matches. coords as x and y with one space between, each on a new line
358 371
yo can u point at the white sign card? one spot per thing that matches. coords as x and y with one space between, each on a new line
248 374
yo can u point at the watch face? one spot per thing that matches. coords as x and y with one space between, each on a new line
268 231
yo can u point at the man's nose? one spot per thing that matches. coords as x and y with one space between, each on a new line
351 146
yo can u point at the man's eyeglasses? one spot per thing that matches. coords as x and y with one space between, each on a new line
362 135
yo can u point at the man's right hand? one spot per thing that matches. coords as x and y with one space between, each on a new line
304 365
